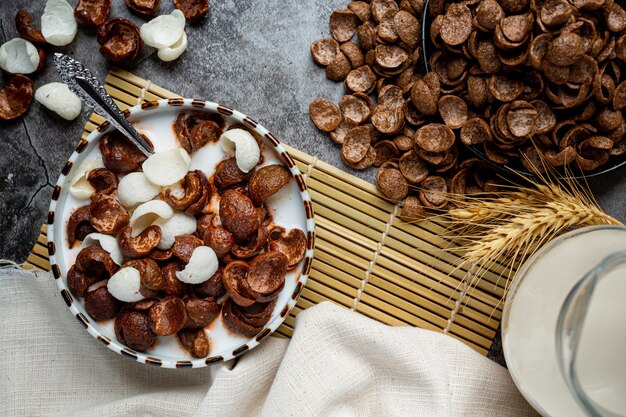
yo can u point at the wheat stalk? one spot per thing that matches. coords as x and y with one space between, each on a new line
522 219
509 227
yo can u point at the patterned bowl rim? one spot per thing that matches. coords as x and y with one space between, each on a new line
114 345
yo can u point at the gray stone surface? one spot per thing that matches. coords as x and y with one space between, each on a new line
250 55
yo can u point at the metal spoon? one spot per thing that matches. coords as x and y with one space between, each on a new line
82 83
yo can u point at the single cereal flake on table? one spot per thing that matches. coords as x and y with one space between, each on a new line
202 265
15 97
80 187
124 285
164 31
147 213
106 242
18 56
134 188
179 224
247 152
58 25
168 167
58 98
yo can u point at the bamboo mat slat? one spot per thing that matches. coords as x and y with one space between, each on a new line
366 259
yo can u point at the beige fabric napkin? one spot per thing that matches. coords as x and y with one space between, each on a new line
338 363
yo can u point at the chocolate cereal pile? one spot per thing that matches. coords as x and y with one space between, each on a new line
512 78
167 239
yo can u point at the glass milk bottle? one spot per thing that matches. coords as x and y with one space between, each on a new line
564 325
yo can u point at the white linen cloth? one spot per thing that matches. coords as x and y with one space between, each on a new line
338 363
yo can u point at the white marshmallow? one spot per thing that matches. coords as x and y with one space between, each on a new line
124 285
58 25
18 56
58 98
147 213
82 190
179 224
79 186
167 168
134 188
202 265
247 152
164 31
173 52
106 242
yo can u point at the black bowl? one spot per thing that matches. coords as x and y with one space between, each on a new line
612 164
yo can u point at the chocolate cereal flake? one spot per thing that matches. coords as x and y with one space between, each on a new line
456 25
434 137
453 111
433 192
413 167
339 67
475 131
361 9
354 54
385 150
488 14
360 80
392 183
23 23
381 8
566 49
388 119
92 13
343 24
390 56
368 161
325 115
15 97
194 10
505 87
354 109
339 134
119 40
367 36
387 30
404 142
356 144
412 210
143 7
407 27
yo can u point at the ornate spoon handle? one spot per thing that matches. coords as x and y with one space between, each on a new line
82 83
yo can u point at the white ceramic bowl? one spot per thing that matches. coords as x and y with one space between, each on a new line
291 207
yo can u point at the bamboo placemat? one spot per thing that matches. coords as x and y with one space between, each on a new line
366 259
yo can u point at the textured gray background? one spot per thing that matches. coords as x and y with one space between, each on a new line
250 55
